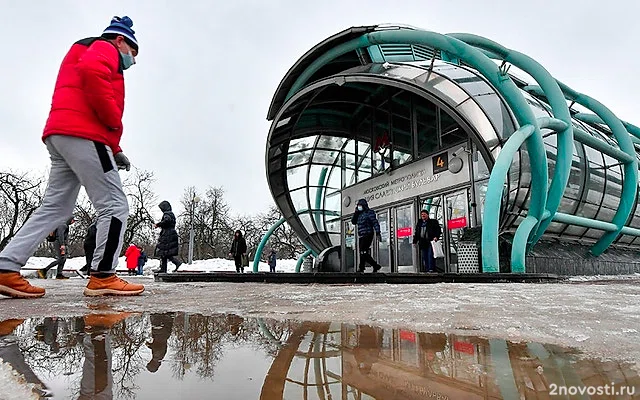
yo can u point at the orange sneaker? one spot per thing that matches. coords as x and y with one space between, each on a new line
113 286
8 326
12 284
105 320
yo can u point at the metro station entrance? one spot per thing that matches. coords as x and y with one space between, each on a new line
396 252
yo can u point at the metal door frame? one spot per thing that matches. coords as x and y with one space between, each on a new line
445 229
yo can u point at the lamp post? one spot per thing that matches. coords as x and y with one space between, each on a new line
194 200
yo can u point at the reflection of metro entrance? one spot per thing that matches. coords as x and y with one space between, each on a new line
398 198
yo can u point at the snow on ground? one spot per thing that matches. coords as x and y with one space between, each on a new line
213 265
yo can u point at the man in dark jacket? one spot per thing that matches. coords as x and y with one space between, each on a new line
167 248
60 246
427 230
368 224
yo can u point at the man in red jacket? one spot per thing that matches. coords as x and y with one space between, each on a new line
82 136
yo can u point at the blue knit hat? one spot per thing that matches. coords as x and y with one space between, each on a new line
123 26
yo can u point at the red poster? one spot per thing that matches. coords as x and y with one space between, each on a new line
457 223
408 336
405 232
464 347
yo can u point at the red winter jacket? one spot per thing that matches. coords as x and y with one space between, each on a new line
88 99
132 254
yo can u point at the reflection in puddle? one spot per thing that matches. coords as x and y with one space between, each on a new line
177 355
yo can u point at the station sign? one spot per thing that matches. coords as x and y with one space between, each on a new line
415 179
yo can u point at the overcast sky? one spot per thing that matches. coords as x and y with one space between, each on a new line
196 101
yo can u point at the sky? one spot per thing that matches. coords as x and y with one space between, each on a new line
197 99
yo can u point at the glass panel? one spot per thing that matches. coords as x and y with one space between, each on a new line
384 245
445 89
382 140
480 169
349 177
331 142
498 114
325 156
316 175
297 177
299 158
350 246
302 143
334 178
481 193
332 202
427 127
401 137
450 131
456 210
299 199
306 222
364 161
404 238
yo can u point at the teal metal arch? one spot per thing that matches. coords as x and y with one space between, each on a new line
478 52
301 259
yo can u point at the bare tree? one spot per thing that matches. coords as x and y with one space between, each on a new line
211 223
20 196
140 224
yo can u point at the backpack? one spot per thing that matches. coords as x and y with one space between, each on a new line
52 237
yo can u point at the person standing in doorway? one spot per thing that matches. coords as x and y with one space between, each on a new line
82 135
238 250
61 235
168 246
427 231
368 224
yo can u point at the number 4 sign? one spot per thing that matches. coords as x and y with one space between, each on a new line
440 162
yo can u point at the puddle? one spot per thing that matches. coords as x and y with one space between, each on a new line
190 356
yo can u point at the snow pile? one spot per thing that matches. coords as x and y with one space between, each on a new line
14 385
589 278
212 265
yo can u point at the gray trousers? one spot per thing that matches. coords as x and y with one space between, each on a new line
75 162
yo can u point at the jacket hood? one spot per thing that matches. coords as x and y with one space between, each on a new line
165 206
363 203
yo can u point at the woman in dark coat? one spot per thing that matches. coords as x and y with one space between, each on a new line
238 249
167 248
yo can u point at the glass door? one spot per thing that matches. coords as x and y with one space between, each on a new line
382 250
457 209
404 224
433 206
349 247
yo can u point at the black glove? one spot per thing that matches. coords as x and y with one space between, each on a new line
122 161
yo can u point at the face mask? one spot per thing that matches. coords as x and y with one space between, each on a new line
127 60
360 208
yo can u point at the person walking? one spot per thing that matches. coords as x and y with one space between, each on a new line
82 135
238 250
368 224
89 247
427 231
142 260
168 247
61 236
132 255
